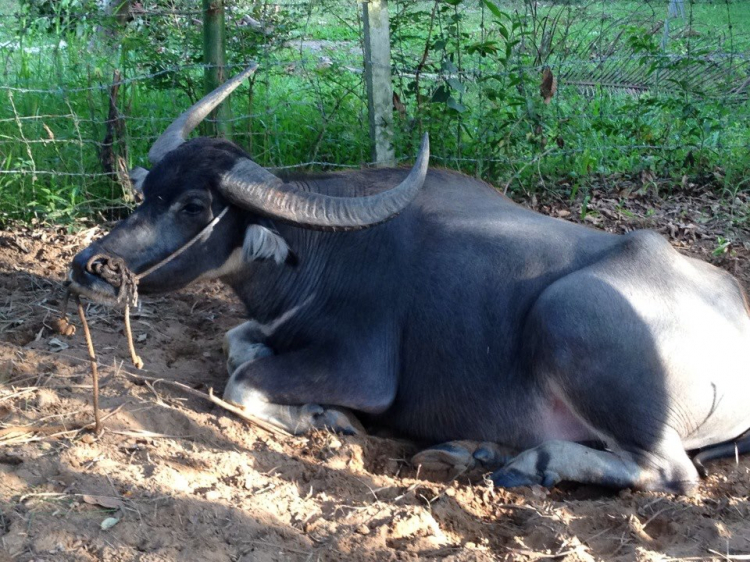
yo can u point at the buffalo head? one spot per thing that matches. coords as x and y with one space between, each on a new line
192 184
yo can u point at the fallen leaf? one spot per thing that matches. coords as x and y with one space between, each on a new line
109 522
103 501
57 344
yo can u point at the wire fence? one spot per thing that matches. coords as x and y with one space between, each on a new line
524 94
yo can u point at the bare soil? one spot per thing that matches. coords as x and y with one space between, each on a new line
174 477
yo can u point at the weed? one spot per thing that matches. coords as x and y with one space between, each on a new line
468 73
722 246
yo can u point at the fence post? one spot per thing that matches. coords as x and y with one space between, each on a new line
378 79
214 57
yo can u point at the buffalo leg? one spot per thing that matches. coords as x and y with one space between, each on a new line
296 419
243 343
556 461
589 347
308 389
246 343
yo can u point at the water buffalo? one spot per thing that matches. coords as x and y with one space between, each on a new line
441 309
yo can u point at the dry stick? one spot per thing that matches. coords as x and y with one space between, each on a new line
534 555
94 369
14 432
730 556
239 412
19 430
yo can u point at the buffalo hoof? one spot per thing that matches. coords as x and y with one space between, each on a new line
295 419
512 478
338 420
449 460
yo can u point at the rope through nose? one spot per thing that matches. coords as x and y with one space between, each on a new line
115 272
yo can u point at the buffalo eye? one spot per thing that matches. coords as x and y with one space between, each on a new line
193 209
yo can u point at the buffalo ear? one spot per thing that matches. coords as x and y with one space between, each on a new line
137 177
262 243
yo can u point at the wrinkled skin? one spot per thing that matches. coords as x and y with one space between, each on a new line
464 319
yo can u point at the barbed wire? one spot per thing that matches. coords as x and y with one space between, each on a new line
403 159
398 72
53 133
145 12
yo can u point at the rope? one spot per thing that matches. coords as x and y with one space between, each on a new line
94 369
134 357
115 271
202 235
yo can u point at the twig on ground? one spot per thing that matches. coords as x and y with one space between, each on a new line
730 556
541 555
145 434
13 435
239 412
19 393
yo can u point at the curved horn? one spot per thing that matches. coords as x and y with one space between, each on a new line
250 186
137 177
175 134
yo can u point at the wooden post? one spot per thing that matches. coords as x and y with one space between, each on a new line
214 57
378 79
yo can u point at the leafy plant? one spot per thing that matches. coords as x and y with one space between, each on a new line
467 72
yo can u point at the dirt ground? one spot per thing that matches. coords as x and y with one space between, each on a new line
174 477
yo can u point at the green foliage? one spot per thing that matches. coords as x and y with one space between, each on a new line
467 72
492 121
60 18
53 119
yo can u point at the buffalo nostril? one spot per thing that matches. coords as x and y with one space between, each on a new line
91 269
111 269
103 265
81 260
115 272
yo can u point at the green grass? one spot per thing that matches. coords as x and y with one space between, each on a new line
8 7
482 108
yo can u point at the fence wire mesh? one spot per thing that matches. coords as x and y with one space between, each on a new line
524 94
